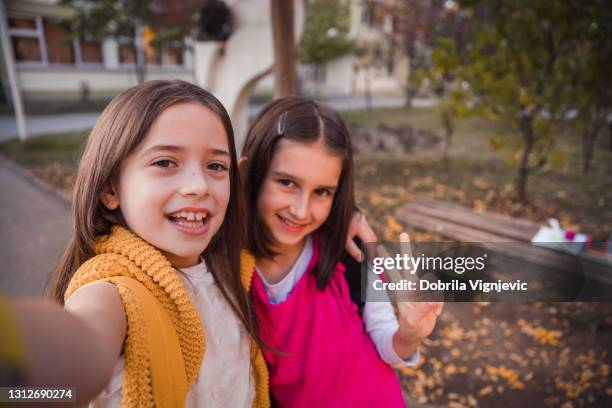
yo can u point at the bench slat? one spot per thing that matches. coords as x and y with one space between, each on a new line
447 228
519 230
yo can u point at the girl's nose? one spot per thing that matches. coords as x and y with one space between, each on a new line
299 208
194 185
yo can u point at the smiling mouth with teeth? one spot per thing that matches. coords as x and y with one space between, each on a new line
289 223
189 219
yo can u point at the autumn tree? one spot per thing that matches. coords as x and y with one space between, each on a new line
325 34
449 39
515 70
417 27
589 91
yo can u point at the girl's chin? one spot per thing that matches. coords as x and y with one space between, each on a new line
183 260
289 241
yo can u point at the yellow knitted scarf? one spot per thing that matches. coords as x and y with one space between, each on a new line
122 253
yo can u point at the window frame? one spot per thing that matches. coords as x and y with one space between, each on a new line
36 33
39 34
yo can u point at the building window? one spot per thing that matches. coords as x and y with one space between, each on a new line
91 52
25 34
44 42
26 49
165 55
172 55
60 50
127 50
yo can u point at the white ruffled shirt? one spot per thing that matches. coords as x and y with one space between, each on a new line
225 378
378 317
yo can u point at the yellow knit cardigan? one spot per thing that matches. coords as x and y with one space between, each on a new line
123 254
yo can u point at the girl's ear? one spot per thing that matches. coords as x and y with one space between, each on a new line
109 198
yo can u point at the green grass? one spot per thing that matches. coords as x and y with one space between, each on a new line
53 159
64 148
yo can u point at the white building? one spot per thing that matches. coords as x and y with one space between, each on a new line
50 68
383 70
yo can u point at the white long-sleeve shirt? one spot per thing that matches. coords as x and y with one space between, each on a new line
378 317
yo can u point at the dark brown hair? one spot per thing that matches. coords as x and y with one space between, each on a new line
121 127
305 121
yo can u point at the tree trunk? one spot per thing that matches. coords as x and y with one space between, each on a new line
610 136
588 147
448 134
409 96
368 88
409 92
140 72
284 48
139 58
526 128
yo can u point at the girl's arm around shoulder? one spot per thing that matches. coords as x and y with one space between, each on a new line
77 346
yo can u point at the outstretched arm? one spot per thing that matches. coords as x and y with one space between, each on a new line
77 347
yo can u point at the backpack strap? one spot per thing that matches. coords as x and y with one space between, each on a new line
354 279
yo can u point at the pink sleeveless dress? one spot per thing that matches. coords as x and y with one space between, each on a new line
331 360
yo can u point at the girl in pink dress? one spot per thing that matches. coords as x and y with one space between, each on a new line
298 172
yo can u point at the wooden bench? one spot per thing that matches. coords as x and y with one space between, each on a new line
463 224
488 230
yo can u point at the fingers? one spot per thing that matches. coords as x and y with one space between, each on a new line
365 232
435 307
353 226
405 243
405 247
353 250
438 306
414 312
353 231
391 274
359 228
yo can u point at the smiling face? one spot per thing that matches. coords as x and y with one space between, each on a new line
297 194
174 188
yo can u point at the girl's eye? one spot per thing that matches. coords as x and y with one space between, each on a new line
323 192
217 167
165 163
286 183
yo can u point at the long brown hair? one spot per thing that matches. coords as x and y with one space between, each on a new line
121 127
305 121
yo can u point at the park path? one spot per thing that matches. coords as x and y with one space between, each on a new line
47 124
71 122
34 230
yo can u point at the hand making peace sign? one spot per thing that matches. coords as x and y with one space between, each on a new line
416 319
